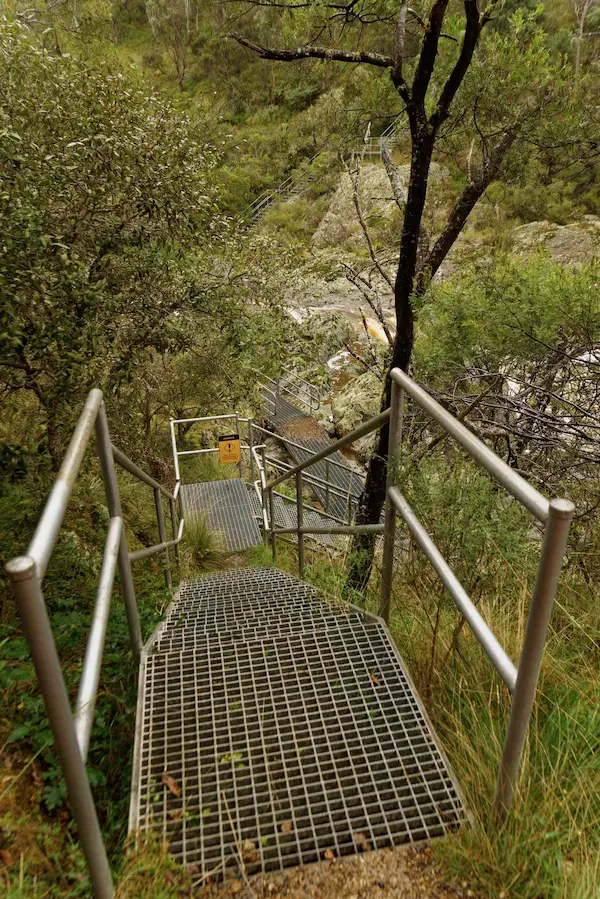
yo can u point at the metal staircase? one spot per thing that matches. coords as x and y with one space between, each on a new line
290 727
274 727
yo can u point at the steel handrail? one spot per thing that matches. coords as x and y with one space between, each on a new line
71 730
556 514
372 425
319 482
531 498
263 484
496 653
289 442
147 551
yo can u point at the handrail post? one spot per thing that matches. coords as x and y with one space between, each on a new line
546 582
263 495
327 487
36 625
174 527
162 536
251 445
272 518
237 431
389 533
111 488
300 517
174 447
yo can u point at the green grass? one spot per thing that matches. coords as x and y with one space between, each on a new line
201 548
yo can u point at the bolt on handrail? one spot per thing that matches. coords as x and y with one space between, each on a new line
72 731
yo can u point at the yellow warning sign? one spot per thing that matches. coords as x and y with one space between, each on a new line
229 448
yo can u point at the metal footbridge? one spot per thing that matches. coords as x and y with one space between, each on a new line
275 726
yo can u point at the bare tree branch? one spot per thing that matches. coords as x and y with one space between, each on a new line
308 52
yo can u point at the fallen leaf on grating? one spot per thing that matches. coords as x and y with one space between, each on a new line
329 854
175 816
375 679
171 785
286 827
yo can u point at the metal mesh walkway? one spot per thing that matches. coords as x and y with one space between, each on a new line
278 726
286 516
228 510
287 420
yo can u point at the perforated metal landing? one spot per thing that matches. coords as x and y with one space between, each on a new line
228 510
289 725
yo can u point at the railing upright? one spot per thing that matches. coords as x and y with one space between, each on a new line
546 583
389 533
162 535
27 588
109 476
300 517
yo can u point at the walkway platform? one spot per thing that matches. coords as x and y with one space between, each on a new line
228 510
282 728
289 421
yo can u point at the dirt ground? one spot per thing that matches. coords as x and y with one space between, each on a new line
403 873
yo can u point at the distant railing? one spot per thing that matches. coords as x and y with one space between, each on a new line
555 514
72 731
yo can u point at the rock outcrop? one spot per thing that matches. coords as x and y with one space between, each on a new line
354 404
340 225
572 244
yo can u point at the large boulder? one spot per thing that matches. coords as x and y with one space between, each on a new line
340 224
357 402
572 244
328 331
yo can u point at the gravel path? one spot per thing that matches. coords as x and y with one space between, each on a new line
403 873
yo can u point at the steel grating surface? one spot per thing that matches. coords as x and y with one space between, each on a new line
286 516
299 734
228 510
345 479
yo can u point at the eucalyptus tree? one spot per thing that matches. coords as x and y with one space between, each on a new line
491 99
105 190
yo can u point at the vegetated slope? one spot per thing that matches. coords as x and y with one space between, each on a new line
267 122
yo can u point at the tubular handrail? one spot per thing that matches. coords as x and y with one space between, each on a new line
138 472
492 647
531 498
319 482
263 484
72 729
372 424
288 442
555 513
147 551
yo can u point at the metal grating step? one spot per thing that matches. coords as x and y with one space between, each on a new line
264 603
347 481
297 743
286 516
227 508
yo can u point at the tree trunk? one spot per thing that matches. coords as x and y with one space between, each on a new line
373 496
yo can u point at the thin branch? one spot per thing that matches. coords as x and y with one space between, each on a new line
308 52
